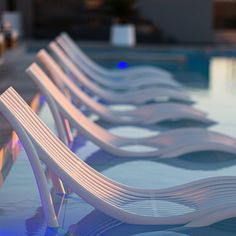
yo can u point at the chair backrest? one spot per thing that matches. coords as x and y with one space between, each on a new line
62 80
79 62
78 74
82 56
80 177
95 132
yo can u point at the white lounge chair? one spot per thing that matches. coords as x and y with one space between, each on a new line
167 145
141 115
198 203
132 96
130 78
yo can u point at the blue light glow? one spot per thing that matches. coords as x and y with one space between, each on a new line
122 65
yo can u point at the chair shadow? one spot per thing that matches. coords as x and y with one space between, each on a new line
203 160
98 223
207 160
164 125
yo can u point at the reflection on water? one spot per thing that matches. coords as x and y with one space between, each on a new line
222 77
36 224
97 223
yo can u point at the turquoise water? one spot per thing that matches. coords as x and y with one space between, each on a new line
211 82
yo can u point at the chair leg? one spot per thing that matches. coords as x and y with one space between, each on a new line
68 131
57 183
60 125
40 177
63 135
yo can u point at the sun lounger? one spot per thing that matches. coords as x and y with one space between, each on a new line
198 203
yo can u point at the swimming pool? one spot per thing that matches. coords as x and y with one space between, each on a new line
211 82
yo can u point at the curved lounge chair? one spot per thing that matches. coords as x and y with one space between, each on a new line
198 203
169 144
142 115
133 97
131 78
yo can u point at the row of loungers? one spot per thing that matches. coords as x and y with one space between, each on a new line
74 77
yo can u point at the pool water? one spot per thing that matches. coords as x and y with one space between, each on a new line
212 84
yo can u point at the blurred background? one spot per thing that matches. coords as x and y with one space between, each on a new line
195 40
155 21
